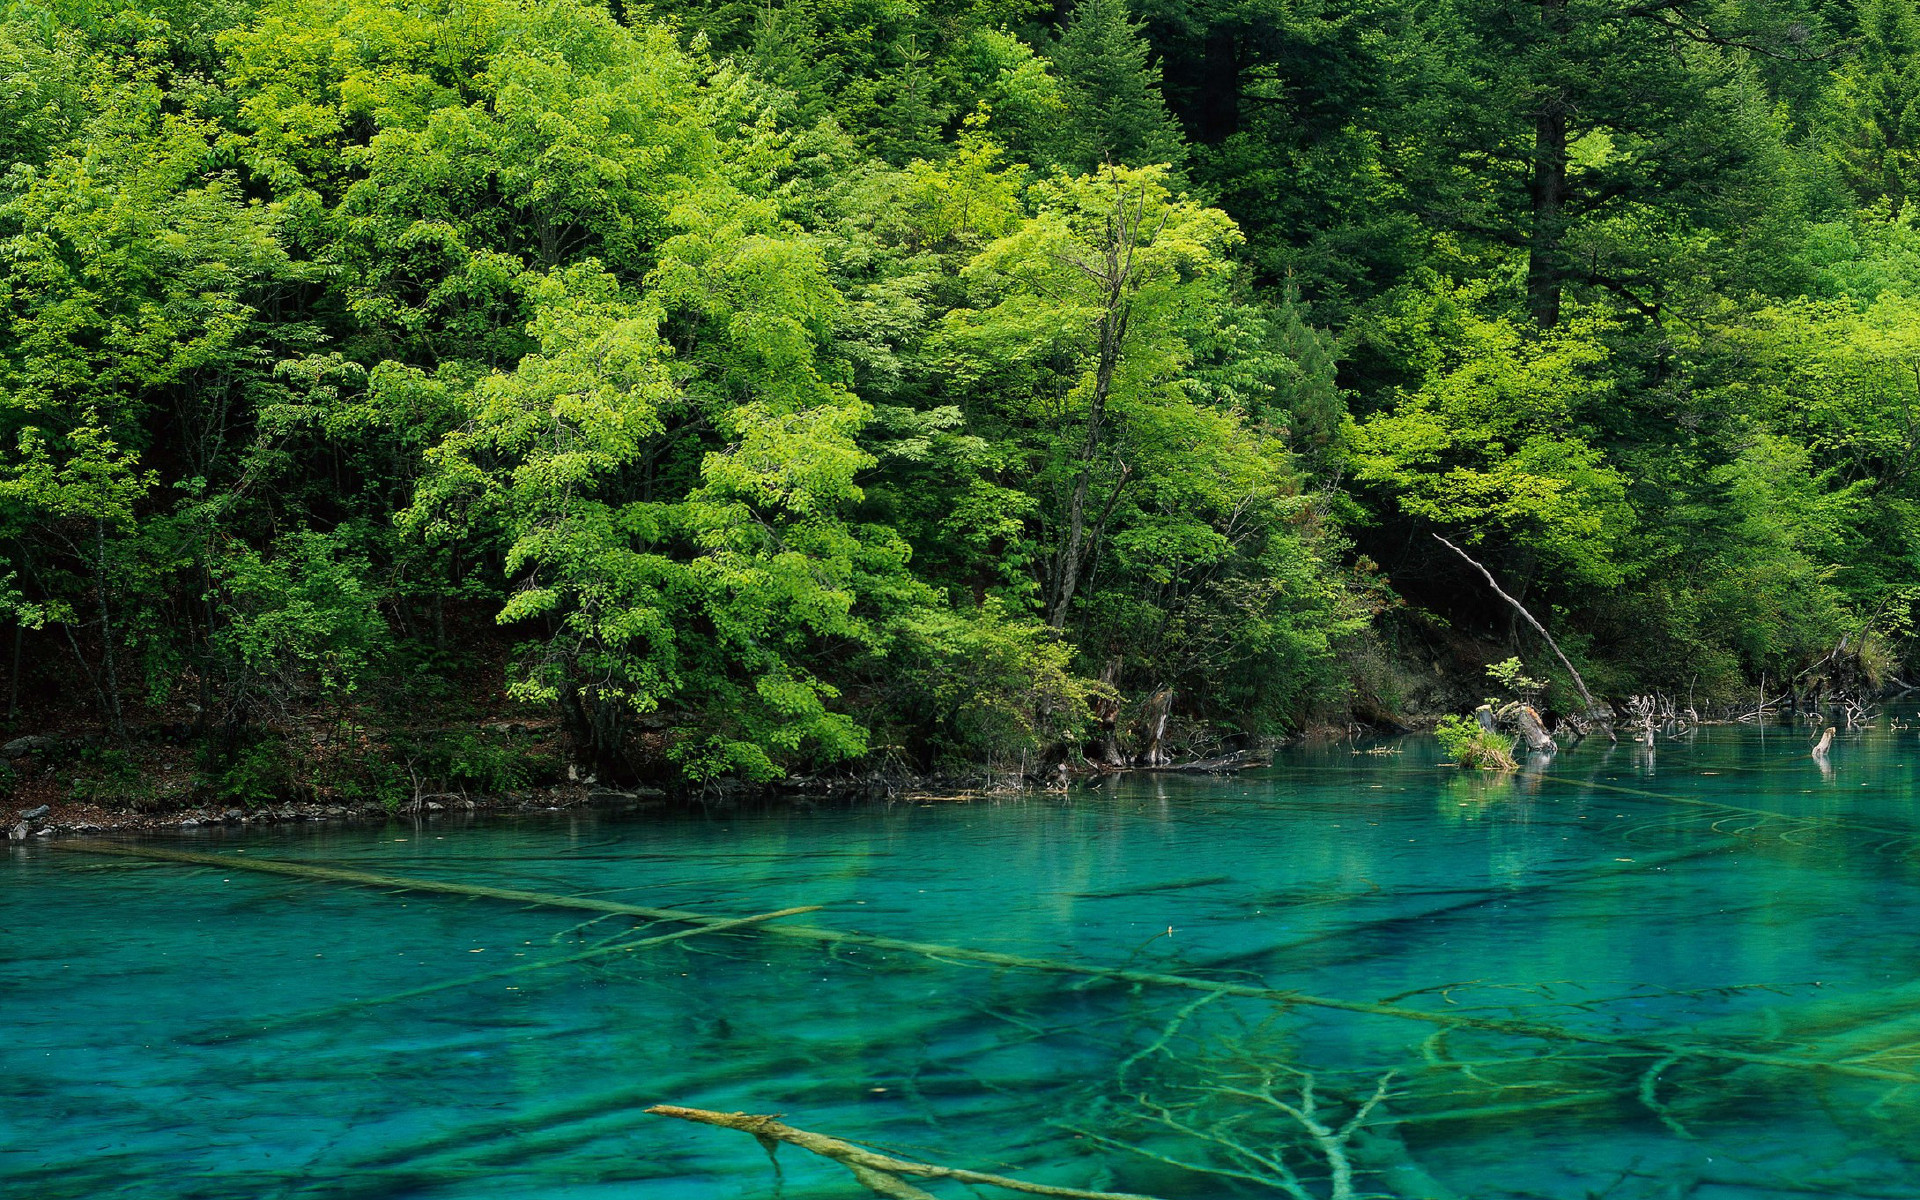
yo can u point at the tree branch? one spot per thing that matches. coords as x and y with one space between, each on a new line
1522 610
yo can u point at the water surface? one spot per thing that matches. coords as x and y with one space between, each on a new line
1723 897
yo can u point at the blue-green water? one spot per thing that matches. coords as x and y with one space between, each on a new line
1612 894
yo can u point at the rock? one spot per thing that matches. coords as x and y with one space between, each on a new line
27 745
233 814
34 814
20 832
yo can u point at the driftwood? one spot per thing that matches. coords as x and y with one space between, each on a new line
1826 743
1238 761
879 1173
1592 705
962 954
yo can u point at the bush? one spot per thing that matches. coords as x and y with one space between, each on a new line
1473 746
255 771
467 760
990 684
113 779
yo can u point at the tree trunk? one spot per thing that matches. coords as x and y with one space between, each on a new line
1530 726
1548 190
1153 728
1113 328
1217 108
106 632
1116 276
13 677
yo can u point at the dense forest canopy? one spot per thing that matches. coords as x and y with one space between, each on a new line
750 388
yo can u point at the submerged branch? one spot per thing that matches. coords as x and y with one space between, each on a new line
356 1006
879 1172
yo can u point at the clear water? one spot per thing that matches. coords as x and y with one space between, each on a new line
144 1050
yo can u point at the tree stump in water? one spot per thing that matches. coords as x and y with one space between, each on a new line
1153 728
1104 750
1528 722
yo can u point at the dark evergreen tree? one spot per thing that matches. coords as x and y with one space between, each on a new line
1873 113
1111 85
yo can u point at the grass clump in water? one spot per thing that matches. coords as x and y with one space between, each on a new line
1474 746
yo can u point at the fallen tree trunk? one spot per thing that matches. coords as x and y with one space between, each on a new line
880 1173
546 964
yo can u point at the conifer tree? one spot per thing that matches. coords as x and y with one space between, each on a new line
1875 105
1309 396
1115 112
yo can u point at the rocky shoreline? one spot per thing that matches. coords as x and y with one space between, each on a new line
67 817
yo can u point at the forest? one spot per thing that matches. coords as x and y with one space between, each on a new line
462 393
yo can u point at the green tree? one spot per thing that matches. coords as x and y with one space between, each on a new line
1111 88
1872 114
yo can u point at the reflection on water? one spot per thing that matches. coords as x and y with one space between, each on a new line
1689 972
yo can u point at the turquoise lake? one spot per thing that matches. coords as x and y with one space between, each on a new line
1690 972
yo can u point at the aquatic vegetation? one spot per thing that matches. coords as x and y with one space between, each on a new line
1473 745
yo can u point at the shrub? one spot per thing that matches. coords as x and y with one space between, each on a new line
1473 746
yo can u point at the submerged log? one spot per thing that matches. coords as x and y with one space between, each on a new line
880 1173
546 964
992 958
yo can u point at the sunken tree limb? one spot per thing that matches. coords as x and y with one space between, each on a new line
995 958
879 1172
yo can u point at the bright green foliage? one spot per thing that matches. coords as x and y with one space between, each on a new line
300 617
1470 745
755 389
1498 438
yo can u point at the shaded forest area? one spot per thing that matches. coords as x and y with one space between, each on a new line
416 395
